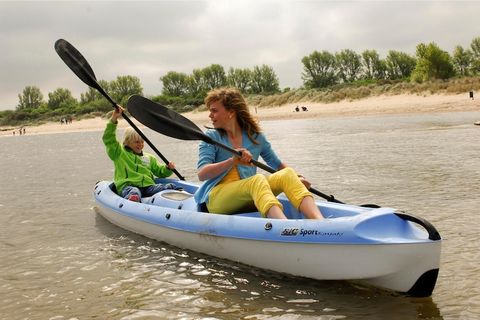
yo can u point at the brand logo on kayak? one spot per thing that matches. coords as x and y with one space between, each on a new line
290 232
310 232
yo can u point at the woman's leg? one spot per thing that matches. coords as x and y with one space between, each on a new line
310 209
275 212
238 195
287 181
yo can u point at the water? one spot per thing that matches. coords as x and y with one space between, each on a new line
59 260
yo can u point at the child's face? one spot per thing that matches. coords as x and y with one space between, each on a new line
136 145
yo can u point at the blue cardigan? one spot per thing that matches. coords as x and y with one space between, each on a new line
212 154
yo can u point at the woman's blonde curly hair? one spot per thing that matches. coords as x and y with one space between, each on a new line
232 100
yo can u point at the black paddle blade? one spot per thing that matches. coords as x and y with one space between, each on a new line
163 120
79 65
76 62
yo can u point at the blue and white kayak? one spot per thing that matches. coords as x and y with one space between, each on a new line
374 246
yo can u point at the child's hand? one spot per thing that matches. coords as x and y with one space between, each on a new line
171 165
117 113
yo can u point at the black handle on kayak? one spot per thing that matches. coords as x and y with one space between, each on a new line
433 234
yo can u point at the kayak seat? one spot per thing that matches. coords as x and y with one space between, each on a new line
176 199
203 208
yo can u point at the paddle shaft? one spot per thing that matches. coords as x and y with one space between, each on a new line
196 132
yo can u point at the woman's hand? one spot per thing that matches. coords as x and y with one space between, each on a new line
244 159
171 166
305 182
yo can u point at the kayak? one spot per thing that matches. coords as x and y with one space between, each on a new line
378 247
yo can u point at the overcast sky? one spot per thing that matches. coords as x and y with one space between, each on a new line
148 39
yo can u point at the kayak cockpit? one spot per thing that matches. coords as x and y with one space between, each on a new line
184 200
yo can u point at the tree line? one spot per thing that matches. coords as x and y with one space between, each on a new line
324 69
321 69
32 105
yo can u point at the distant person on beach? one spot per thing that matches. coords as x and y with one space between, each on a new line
231 184
135 170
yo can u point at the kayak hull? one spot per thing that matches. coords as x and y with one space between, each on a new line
347 246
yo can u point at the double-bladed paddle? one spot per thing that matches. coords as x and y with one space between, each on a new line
79 65
172 124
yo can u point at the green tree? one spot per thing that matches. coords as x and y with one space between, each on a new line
264 80
373 66
31 98
239 78
432 63
475 47
214 76
319 70
399 65
462 60
125 86
175 84
348 64
196 83
61 98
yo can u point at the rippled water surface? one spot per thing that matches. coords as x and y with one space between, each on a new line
60 260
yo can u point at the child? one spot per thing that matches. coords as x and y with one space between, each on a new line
135 170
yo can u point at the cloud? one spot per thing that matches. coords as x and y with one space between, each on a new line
148 39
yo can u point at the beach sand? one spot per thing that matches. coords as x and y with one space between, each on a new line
397 104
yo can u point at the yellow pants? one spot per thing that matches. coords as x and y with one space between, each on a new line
257 191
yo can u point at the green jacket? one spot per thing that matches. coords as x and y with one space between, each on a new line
131 169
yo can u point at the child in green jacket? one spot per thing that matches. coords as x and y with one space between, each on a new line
135 170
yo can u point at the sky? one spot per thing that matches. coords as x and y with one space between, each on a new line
147 39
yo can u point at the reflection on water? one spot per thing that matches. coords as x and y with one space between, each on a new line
60 260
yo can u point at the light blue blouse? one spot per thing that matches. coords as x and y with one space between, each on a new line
212 154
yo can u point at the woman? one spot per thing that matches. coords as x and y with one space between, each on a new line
231 183
135 170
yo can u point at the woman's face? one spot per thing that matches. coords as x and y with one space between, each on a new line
219 115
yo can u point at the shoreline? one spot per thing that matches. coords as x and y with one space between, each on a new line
379 105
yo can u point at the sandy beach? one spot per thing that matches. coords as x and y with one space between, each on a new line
398 104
